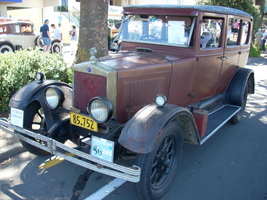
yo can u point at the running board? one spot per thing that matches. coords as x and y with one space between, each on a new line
218 118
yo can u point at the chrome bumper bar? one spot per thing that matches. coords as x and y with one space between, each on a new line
54 147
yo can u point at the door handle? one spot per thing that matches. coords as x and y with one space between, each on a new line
224 57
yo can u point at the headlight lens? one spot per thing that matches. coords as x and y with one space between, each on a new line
54 97
100 109
160 100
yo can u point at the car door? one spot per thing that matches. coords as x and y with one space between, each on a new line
209 57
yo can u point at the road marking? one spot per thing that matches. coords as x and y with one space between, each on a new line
53 161
106 190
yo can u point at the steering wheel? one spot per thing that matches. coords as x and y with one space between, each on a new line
148 38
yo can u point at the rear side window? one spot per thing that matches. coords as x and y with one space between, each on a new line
233 31
210 34
246 26
3 29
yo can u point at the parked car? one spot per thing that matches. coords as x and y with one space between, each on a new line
179 75
19 34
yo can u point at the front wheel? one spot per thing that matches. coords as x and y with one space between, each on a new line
159 166
35 122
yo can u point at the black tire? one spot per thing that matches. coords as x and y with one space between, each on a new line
5 48
38 41
159 167
56 48
238 116
34 121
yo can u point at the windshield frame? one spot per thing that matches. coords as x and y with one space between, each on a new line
166 22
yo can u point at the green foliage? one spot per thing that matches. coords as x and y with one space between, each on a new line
254 51
19 68
245 5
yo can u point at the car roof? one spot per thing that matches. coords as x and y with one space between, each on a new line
207 8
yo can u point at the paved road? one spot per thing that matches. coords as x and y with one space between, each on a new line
232 165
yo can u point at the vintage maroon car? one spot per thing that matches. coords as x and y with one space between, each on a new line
178 77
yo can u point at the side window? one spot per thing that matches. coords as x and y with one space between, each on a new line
26 28
233 32
211 29
245 32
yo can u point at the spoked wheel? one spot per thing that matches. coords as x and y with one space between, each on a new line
34 121
238 116
159 167
56 48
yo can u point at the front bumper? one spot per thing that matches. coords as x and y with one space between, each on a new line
83 159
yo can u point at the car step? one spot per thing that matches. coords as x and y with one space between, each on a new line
218 118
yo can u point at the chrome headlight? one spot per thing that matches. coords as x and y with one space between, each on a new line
160 100
100 109
54 97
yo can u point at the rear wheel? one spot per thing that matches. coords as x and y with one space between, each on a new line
35 122
4 48
56 47
238 116
159 167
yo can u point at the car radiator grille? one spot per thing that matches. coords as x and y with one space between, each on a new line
86 86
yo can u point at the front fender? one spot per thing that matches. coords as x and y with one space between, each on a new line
30 92
142 130
35 91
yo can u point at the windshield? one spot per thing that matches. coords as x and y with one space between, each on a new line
160 29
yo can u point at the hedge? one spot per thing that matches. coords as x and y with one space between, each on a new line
19 68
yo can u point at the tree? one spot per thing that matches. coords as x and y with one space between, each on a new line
93 29
245 5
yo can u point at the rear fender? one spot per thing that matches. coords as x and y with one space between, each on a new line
34 91
142 130
235 90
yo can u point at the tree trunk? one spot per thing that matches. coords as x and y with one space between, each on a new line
93 29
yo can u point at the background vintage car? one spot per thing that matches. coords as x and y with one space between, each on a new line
19 34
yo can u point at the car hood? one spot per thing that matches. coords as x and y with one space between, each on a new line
135 63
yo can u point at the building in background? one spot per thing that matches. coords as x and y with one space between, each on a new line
66 12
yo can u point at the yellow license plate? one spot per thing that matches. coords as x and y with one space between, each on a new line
83 121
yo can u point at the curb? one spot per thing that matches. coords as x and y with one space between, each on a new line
10 151
9 146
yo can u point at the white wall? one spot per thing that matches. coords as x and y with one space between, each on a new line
34 14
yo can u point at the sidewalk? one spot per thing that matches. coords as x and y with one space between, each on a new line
10 145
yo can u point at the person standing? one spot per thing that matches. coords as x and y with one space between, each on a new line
258 36
263 40
46 36
56 32
73 40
